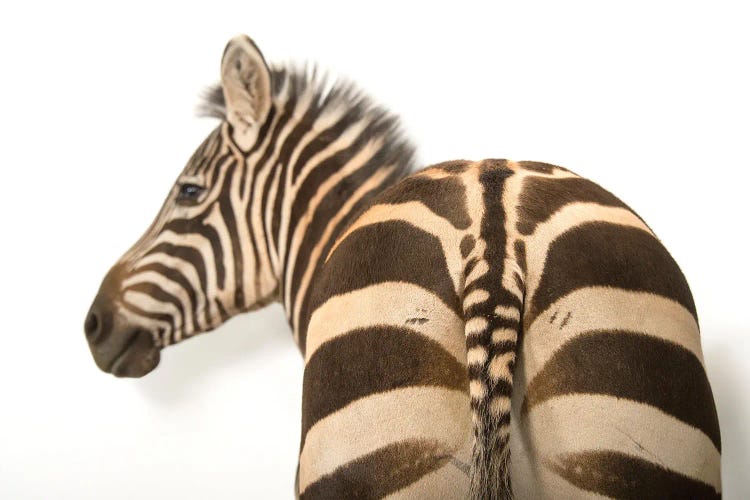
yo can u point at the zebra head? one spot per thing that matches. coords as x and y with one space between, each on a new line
205 257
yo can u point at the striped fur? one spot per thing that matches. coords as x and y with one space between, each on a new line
475 329
274 191
582 355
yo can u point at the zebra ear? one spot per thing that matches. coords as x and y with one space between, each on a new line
246 82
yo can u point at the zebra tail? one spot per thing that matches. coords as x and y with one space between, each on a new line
492 328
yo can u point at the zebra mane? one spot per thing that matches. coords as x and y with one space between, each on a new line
212 103
326 96
298 82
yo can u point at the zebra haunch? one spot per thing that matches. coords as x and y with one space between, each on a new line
482 329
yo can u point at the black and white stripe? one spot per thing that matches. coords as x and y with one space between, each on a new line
475 329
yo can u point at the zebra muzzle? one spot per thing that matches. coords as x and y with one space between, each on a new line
117 347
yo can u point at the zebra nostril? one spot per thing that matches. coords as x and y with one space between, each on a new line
92 326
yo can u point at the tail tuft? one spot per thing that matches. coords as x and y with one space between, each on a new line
490 477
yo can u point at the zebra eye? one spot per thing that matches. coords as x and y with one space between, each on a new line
189 192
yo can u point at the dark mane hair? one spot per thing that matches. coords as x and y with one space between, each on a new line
297 82
212 103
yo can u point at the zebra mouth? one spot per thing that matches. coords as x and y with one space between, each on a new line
138 356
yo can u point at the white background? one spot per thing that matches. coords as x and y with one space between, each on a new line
96 111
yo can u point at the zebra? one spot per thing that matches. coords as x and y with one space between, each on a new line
449 318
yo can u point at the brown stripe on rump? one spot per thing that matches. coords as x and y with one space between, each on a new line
493 177
371 360
453 167
632 366
604 254
539 167
445 197
388 251
619 475
382 472
541 197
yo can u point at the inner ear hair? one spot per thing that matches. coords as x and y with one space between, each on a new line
246 82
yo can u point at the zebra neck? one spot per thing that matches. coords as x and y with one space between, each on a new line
323 211
333 150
